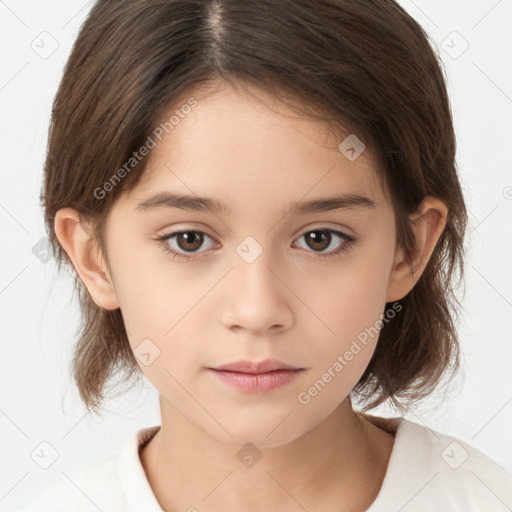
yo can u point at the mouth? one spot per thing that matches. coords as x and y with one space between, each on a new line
262 377
250 367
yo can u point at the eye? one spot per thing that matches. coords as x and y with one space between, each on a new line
323 238
180 243
187 241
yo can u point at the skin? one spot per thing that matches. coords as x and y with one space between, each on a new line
288 304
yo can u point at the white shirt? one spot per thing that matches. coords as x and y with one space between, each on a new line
427 471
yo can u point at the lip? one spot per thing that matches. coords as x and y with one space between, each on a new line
267 365
257 382
257 377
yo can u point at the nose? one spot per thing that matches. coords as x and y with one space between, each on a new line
257 298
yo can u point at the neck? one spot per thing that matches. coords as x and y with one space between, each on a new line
341 460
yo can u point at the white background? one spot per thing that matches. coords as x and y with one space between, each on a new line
39 319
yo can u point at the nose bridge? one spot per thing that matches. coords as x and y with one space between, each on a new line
257 297
251 268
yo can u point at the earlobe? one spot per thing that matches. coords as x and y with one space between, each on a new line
428 223
83 252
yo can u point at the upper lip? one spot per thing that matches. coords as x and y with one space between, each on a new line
254 367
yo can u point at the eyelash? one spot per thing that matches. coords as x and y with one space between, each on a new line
345 247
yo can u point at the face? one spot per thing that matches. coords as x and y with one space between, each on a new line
257 279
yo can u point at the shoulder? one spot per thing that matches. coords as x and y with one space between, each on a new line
428 470
102 485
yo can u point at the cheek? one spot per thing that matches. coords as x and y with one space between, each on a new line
163 308
353 298
152 291
351 305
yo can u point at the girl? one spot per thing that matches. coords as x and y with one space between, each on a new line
260 201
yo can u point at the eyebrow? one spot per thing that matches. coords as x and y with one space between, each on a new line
209 205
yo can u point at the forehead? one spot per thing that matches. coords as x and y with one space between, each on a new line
245 145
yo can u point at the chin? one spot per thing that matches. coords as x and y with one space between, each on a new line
267 431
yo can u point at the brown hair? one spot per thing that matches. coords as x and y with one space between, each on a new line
367 65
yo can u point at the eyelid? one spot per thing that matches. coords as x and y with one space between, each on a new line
344 230
346 244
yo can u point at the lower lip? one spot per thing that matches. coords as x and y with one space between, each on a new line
258 382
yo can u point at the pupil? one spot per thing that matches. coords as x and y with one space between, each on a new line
187 236
319 238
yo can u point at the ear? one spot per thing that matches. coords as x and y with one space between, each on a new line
77 240
428 224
